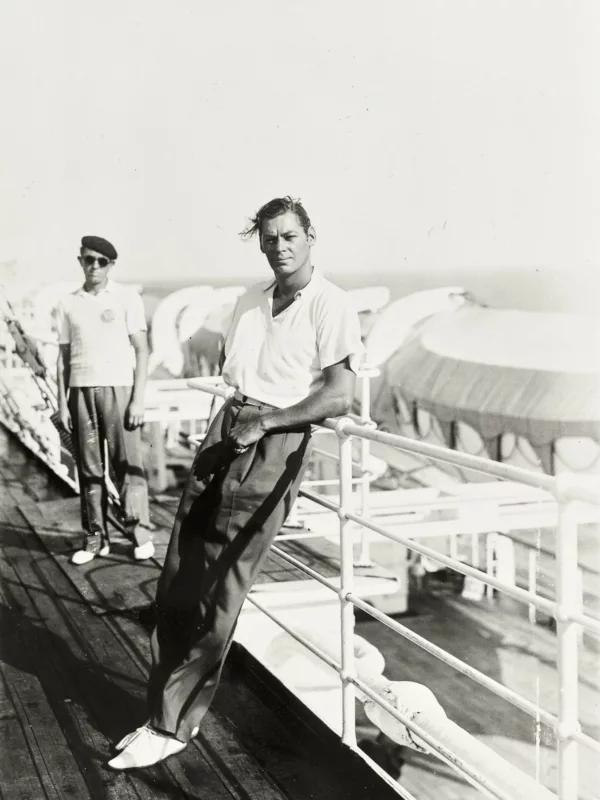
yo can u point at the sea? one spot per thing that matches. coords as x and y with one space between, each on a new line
529 288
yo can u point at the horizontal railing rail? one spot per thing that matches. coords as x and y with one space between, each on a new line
562 494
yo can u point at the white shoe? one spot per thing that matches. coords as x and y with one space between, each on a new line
145 747
143 551
130 736
81 557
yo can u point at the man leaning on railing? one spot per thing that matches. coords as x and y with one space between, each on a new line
291 355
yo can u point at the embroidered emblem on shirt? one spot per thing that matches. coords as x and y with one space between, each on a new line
107 315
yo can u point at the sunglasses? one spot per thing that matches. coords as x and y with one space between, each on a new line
89 261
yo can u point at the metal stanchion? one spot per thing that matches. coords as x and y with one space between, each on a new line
346 587
568 602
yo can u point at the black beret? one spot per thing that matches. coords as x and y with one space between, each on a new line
99 245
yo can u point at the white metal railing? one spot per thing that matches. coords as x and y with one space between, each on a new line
494 778
480 766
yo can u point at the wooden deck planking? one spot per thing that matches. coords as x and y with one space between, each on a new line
77 683
19 776
215 741
90 707
50 754
588 557
108 583
127 681
527 656
113 583
221 744
127 678
496 639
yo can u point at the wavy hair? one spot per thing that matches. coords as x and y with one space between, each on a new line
274 208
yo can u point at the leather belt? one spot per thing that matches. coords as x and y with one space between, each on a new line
250 401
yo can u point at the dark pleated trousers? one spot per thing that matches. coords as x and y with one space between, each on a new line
230 511
98 416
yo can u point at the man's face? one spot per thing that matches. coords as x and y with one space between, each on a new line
285 244
95 266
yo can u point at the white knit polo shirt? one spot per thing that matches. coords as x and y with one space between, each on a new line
279 360
98 326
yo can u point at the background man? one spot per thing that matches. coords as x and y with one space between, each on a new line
291 354
101 327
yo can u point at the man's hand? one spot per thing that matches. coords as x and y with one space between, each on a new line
134 417
65 418
242 436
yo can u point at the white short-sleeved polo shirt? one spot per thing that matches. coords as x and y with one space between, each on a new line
279 360
98 326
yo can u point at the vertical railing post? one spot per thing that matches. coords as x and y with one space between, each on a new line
346 585
532 581
490 559
568 602
364 558
475 549
453 547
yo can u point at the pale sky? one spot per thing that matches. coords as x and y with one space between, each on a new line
421 133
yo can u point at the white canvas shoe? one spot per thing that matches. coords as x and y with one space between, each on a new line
130 736
143 551
83 556
145 747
